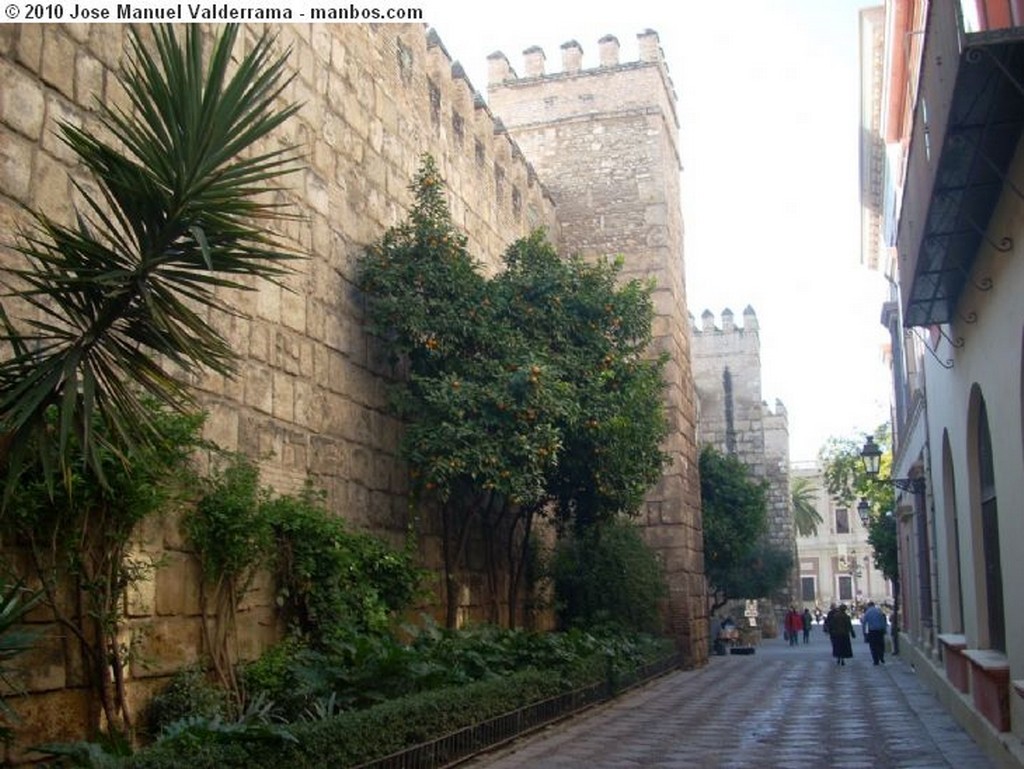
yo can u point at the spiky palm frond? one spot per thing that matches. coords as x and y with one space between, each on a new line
15 602
805 515
121 299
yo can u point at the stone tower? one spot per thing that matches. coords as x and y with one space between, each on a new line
735 420
605 144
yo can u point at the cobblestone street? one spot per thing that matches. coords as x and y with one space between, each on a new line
783 707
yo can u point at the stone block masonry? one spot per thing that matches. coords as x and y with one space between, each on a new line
309 399
309 396
735 420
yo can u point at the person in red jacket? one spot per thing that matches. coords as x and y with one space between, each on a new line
794 625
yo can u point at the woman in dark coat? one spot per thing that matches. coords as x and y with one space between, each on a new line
840 628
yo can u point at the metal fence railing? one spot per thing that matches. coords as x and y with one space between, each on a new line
457 747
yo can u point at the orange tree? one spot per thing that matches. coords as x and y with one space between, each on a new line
522 393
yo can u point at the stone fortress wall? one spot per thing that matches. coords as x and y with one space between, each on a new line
735 420
309 399
605 140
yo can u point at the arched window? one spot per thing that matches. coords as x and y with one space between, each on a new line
990 533
952 545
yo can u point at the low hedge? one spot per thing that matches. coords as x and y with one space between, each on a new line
357 737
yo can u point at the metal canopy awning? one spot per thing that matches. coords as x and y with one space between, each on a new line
985 123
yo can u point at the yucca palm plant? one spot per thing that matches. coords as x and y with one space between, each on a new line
15 602
121 298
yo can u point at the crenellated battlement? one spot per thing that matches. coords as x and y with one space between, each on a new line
475 141
728 323
501 72
605 140
735 419
611 87
310 400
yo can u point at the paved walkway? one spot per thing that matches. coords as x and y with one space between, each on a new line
778 708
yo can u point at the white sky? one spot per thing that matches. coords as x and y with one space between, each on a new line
769 107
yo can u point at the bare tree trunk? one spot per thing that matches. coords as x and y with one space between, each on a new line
450 608
517 561
491 569
453 557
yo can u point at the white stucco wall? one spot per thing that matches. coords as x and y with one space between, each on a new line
990 359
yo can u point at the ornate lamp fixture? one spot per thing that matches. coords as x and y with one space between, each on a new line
863 510
871 455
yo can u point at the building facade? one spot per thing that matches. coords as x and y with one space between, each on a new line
947 77
836 563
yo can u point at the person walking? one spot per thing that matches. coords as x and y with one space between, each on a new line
828 618
794 625
808 622
874 624
840 629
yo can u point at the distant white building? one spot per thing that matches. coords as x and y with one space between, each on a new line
836 565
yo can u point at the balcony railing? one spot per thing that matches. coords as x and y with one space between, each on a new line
968 120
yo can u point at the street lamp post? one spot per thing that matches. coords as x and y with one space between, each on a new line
864 511
851 565
871 455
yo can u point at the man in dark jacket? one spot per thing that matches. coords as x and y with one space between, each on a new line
875 624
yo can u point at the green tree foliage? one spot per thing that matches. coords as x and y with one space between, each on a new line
806 517
594 334
233 540
121 298
608 575
78 538
117 312
522 390
847 482
883 536
738 561
333 582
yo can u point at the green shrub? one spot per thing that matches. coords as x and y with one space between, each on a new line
608 575
189 693
15 602
227 526
333 581
360 736
427 682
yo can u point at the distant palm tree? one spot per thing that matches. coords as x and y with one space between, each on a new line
805 515
121 299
